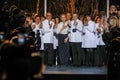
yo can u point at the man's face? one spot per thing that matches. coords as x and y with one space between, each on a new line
48 16
75 16
113 9
68 16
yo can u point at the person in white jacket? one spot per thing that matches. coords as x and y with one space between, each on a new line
101 50
89 40
76 40
37 28
48 39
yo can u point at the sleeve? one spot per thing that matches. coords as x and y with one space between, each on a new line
80 26
58 29
91 27
46 28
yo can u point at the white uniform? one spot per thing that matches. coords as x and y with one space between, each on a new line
89 40
99 35
48 36
60 25
48 40
76 36
55 38
41 32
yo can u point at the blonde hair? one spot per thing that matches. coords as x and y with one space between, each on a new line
113 22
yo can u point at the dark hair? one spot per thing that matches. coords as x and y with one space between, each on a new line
37 16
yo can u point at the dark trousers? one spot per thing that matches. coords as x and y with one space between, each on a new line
49 54
77 54
63 50
100 56
113 72
89 56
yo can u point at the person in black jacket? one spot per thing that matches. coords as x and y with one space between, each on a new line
114 57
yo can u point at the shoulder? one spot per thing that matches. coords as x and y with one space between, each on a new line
60 23
44 21
79 21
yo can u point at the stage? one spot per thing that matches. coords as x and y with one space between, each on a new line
76 70
73 73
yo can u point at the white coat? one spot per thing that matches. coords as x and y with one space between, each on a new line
48 36
41 32
99 38
89 40
76 36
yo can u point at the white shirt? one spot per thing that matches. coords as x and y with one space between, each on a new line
37 28
99 35
76 36
48 32
41 33
60 26
89 39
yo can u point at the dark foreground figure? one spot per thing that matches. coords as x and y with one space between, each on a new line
114 58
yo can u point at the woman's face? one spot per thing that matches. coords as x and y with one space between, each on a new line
37 19
98 20
56 20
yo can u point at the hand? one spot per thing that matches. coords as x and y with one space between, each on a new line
51 25
105 27
76 23
30 22
69 23
99 30
63 27
33 26
41 25
66 40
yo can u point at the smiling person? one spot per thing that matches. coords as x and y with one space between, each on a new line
76 40
63 36
89 40
48 39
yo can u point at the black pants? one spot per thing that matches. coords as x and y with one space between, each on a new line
113 66
49 54
77 54
63 50
89 56
100 56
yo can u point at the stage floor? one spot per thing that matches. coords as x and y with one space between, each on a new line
84 70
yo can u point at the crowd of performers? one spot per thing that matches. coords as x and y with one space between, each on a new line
68 39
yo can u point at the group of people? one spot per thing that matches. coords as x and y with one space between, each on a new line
69 38
75 39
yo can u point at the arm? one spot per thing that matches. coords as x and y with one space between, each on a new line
90 27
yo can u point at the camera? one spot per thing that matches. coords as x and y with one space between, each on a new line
21 39
1 36
83 33
26 36
74 30
38 33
